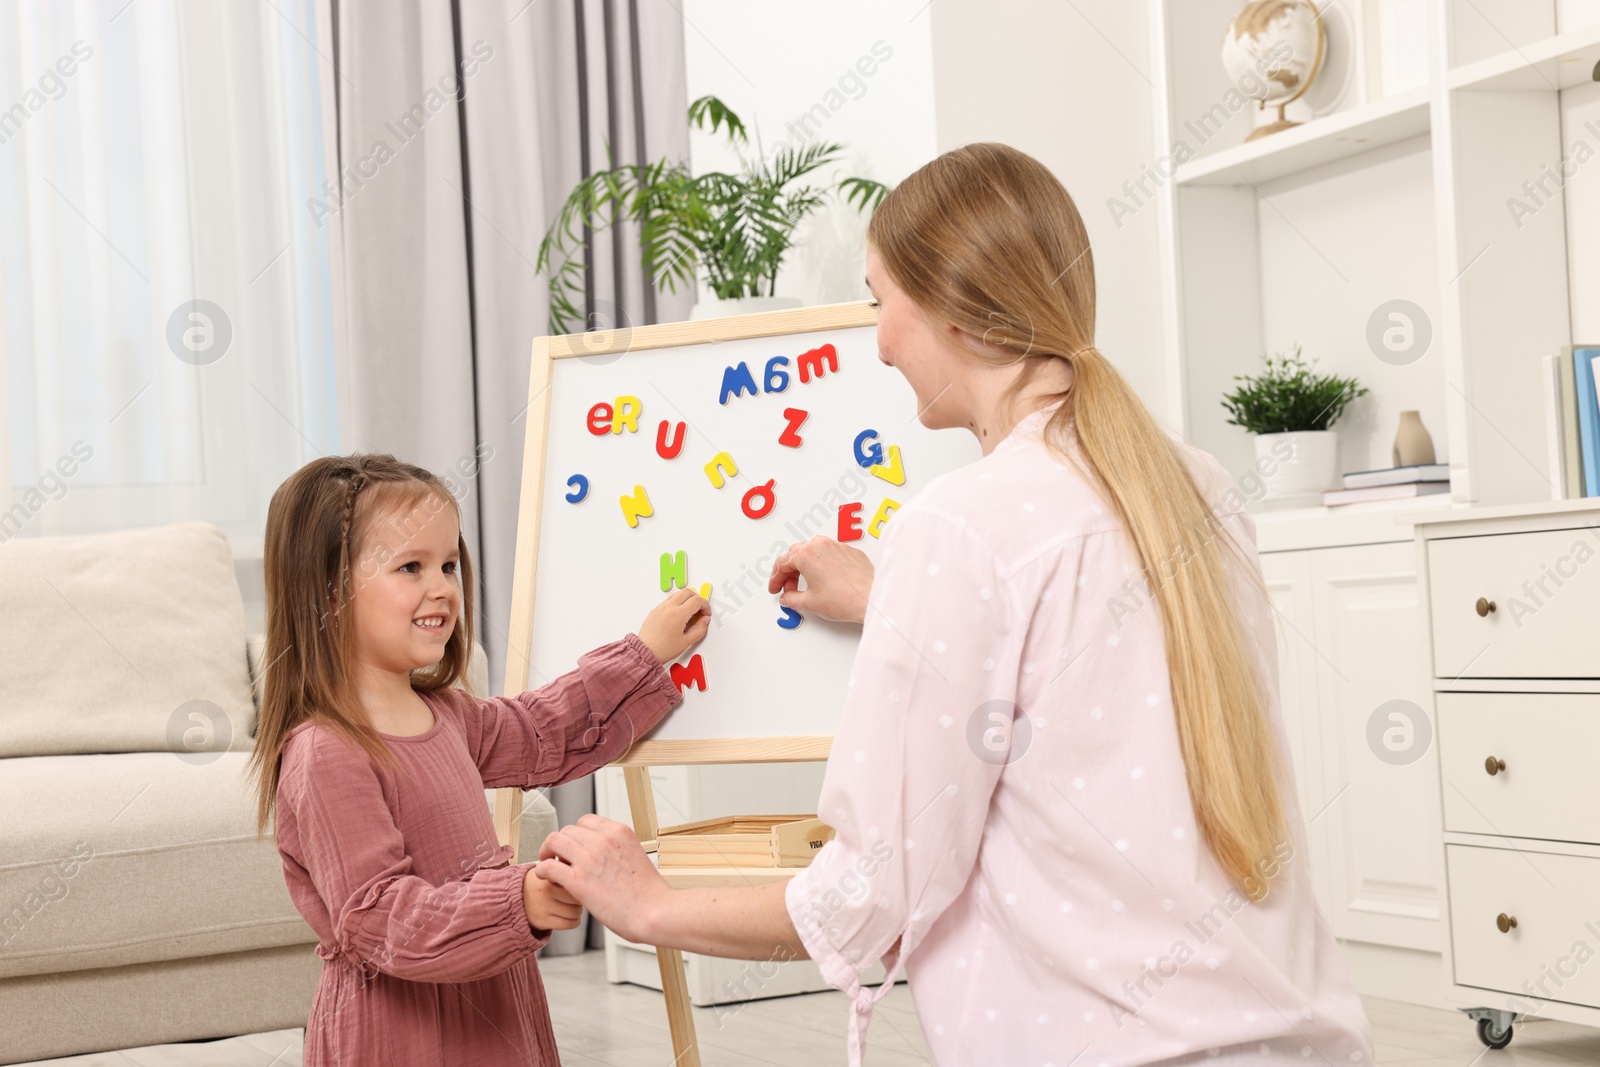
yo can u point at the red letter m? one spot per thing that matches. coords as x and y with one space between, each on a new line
810 363
691 673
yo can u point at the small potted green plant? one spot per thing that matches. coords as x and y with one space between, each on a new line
1288 404
735 228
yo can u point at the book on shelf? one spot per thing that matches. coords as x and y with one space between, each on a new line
1417 472
1555 436
1572 421
1572 466
1588 417
1394 491
1589 356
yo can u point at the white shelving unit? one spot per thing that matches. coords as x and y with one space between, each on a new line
1560 61
1314 144
1300 236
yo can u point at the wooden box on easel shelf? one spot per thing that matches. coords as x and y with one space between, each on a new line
743 841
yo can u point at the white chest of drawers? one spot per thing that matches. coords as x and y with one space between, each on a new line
1512 614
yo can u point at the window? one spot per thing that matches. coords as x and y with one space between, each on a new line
166 325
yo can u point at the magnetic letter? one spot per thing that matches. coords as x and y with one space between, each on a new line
895 472
791 619
600 419
885 509
721 464
776 371
736 381
850 522
674 569
667 450
811 362
636 505
628 409
687 674
868 457
791 436
580 488
705 590
765 492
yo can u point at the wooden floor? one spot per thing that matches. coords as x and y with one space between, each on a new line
603 1025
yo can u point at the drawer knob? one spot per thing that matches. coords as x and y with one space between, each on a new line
1505 922
1494 766
1484 607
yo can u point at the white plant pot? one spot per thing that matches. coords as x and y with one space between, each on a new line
743 305
1300 472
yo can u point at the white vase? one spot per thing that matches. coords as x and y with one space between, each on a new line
1299 472
741 305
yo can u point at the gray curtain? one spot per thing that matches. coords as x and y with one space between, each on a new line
460 128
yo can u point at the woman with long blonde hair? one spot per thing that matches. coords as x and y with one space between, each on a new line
1060 785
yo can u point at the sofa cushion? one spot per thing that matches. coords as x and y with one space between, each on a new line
134 642
123 1008
120 859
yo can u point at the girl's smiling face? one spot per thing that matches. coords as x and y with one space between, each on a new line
407 587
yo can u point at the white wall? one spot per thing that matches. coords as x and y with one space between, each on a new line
1070 84
774 63
1580 140
1320 281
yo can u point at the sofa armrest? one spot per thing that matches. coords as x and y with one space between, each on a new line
539 821
255 648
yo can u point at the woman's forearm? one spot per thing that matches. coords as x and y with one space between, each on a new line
599 862
739 922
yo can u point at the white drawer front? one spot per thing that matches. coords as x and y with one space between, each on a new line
1555 901
1547 743
1545 589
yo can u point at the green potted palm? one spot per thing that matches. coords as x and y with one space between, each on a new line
1290 410
732 230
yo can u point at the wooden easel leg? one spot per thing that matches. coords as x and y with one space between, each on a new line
674 982
508 819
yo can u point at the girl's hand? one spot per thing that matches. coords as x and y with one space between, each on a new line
600 862
548 906
838 579
676 624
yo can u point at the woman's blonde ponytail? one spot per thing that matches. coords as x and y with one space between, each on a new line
986 238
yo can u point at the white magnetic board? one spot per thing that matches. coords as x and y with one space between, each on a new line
597 575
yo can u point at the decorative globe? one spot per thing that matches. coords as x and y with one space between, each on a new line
1272 51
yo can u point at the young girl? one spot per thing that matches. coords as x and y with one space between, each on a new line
376 763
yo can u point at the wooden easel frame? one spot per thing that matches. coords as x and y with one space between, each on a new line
638 760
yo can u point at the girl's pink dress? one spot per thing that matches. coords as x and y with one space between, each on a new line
428 955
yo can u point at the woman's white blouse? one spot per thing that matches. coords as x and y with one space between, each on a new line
1013 820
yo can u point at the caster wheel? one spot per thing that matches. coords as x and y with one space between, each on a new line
1491 1037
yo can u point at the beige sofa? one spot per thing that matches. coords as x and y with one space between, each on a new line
137 905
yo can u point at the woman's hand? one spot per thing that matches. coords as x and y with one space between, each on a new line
600 862
676 624
547 905
838 579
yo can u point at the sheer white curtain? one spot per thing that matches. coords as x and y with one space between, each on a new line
166 329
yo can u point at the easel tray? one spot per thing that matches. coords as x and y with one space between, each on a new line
743 841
